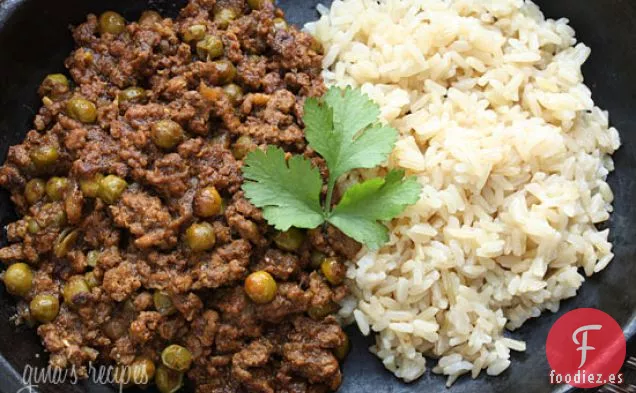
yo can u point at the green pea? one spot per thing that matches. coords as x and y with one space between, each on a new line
243 146
92 258
210 48
234 93
257 4
316 259
56 188
290 240
319 312
90 187
260 287
65 241
200 237
167 380
163 303
129 307
142 371
149 18
280 24
82 110
44 156
111 22
34 190
76 291
18 279
32 226
207 202
343 349
132 95
58 79
225 71
194 33
56 85
110 188
114 328
223 17
332 270
47 102
44 308
176 358
91 280
316 46
166 134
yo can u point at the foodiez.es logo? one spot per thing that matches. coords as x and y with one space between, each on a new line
586 349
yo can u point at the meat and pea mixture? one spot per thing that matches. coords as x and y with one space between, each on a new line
136 246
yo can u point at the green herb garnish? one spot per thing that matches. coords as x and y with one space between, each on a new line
343 128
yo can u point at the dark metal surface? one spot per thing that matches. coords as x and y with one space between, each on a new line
34 40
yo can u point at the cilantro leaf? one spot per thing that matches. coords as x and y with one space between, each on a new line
288 191
343 129
378 199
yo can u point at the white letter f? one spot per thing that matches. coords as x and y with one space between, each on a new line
584 347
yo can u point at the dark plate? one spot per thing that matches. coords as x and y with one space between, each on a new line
34 40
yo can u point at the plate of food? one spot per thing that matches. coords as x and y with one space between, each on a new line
303 196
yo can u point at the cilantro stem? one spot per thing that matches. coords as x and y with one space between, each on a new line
330 187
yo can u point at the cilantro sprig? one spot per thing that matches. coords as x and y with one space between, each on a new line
343 128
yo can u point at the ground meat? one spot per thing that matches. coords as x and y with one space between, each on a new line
228 339
341 243
217 167
123 350
142 329
226 265
170 328
188 305
98 229
121 281
254 356
279 264
146 218
327 333
236 309
321 293
244 218
206 326
312 362
169 176
12 253
134 243
290 299
143 301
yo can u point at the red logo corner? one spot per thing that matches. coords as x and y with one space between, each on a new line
586 348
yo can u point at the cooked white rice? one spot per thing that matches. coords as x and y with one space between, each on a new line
512 153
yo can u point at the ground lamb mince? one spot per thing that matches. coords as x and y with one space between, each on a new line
237 345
